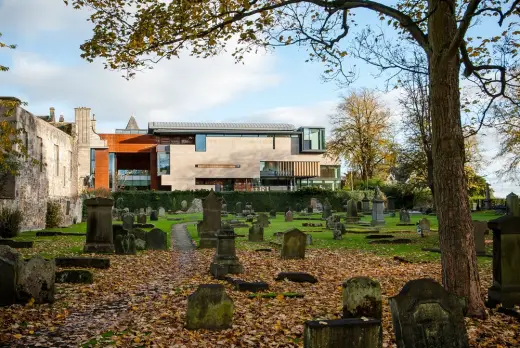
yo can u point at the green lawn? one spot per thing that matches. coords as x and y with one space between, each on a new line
322 238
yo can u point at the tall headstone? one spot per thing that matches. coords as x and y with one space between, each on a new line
506 261
272 213
128 220
209 308
425 315
99 225
161 212
10 266
256 233
263 220
225 260
211 220
365 203
293 245
404 216
289 216
327 209
141 219
352 213
362 298
378 207
479 231
238 208
154 215
487 200
390 203
512 204
184 205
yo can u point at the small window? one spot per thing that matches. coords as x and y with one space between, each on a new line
163 163
57 159
200 142
92 161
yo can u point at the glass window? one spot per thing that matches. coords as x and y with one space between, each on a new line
313 139
200 142
92 161
329 172
163 163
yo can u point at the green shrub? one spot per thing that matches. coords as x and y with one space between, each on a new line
10 222
53 218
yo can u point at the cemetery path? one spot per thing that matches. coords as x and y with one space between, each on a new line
181 240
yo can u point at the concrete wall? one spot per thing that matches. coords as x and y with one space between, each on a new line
245 151
56 179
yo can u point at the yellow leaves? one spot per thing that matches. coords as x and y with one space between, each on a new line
30 303
137 339
17 336
280 297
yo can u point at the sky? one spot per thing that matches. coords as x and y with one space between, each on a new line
46 70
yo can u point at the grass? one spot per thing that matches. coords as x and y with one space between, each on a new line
322 238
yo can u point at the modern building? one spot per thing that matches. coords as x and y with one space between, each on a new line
222 156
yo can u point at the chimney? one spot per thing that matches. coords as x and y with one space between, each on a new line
93 122
52 115
62 118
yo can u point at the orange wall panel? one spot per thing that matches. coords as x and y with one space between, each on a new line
101 176
129 142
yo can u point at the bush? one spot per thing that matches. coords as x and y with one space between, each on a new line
53 218
10 221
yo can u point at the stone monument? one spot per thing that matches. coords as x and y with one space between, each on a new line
211 220
378 207
352 213
293 245
225 260
99 225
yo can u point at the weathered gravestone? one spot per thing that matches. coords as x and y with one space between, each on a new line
211 221
161 212
156 240
343 333
256 233
479 231
404 218
506 261
148 211
362 298
425 315
74 276
310 210
293 245
352 213
359 206
196 206
336 232
424 225
390 203
125 244
309 239
238 208
262 220
487 200
365 202
327 209
128 221
141 219
36 280
184 205
10 265
378 207
209 308
272 213
512 204
225 260
154 216
99 225
289 216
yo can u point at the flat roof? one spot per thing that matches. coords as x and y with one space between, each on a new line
218 127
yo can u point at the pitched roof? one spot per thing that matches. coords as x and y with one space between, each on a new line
132 123
223 126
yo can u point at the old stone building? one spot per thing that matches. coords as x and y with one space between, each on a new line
55 145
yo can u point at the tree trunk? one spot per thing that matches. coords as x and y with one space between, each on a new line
429 168
458 258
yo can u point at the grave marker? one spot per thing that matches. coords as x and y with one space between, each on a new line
211 220
99 225
293 245
256 233
362 298
156 240
209 307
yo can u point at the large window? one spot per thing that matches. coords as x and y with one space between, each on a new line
92 161
200 142
329 172
313 139
163 163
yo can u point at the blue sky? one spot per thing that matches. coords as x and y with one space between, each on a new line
46 70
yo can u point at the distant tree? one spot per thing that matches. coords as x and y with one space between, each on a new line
362 134
507 126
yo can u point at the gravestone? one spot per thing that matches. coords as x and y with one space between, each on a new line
184 205
362 298
124 244
343 333
99 225
365 202
309 239
352 213
314 203
425 315
487 200
479 231
141 219
156 240
327 209
390 203
378 207
238 208
404 217
256 233
141 211
293 245
210 308
36 279
128 221
336 232
225 260
506 261
512 204
359 206
196 206
272 213
263 220
424 225
154 216
224 208
289 216
148 210
162 212
310 210
10 265
211 220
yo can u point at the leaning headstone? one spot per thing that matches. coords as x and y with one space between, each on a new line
378 207
154 216
424 224
128 221
256 233
141 219
362 298
156 240
211 220
36 280
512 204
99 225
293 245
365 203
404 217
289 216
352 213
161 212
327 209
479 231
196 206
506 261
10 264
209 308
263 220
424 314
225 260
340 333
